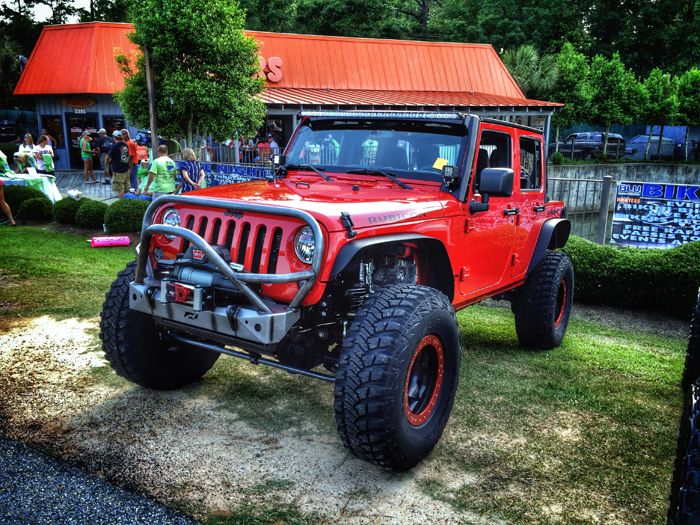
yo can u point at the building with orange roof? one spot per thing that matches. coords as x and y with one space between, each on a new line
72 73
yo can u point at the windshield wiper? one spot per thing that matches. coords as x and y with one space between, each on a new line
389 176
309 167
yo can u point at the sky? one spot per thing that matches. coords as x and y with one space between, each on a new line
42 12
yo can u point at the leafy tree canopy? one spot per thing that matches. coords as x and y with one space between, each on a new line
204 69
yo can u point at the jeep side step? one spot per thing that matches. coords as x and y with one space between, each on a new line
255 360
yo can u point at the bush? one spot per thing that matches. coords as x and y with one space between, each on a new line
38 209
16 195
558 158
9 150
64 210
125 215
91 214
661 280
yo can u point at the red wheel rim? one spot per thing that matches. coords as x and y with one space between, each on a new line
560 307
424 380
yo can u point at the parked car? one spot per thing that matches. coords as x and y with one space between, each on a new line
351 258
636 147
589 145
9 131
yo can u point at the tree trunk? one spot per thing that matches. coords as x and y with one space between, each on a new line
190 144
151 102
661 137
646 149
687 132
605 141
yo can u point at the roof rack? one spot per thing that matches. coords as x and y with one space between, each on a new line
408 115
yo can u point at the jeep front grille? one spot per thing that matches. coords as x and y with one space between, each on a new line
247 241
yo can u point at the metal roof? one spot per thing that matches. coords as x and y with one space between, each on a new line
76 59
316 71
365 97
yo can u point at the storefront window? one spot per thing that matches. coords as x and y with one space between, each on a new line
113 122
54 125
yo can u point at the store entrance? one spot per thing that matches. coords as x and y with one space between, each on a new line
76 123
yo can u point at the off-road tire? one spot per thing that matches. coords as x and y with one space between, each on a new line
133 345
684 508
542 306
397 328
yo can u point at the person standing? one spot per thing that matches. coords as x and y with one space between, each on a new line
133 154
161 175
43 153
27 145
104 144
4 206
86 154
52 140
191 176
119 164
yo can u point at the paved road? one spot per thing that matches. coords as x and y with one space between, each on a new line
39 490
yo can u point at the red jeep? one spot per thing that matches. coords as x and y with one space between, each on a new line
347 265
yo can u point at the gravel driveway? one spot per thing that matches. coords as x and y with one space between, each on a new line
37 489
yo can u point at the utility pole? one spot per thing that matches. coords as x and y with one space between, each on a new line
151 102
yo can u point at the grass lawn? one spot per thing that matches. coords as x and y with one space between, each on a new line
584 433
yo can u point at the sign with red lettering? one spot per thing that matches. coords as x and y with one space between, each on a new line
271 69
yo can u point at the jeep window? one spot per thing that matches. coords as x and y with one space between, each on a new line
409 149
495 151
530 164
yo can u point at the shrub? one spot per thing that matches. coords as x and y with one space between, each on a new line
16 195
64 210
661 280
91 214
558 158
125 215
38 209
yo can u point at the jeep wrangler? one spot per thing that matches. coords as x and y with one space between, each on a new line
347 265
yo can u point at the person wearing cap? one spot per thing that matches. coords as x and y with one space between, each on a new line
133 154
119 163
103 144
86 154
162 174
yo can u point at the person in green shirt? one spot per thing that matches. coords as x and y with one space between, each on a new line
161 175
86 154
143 177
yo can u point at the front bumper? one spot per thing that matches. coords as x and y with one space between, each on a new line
260 321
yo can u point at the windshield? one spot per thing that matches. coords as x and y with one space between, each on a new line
410 149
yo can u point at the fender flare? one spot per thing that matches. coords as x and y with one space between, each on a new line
553 235
352 249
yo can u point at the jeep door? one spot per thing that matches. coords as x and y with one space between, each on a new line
529 198
488 235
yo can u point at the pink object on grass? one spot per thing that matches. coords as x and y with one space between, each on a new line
104 242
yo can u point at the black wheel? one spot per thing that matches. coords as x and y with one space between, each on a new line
397 376
133 345
684 506
542 306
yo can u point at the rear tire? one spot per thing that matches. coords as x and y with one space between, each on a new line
397 376
134 348
542 306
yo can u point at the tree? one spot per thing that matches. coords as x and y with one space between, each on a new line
205 69
661 106
617 96
105 11
573 88
689 101
536 75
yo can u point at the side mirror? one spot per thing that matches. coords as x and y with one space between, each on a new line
450 174
496 182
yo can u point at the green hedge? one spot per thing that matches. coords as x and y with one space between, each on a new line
9 150
125 216
661 280
64 211
91 214
37 209
16 195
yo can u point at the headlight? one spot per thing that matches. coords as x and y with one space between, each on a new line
304 244
171 217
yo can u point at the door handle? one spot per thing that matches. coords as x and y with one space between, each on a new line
539 208
511 211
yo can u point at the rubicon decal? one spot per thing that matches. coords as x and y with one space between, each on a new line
395 216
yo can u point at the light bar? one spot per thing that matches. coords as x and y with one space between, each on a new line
412 115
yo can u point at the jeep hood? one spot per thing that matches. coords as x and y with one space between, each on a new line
369 203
